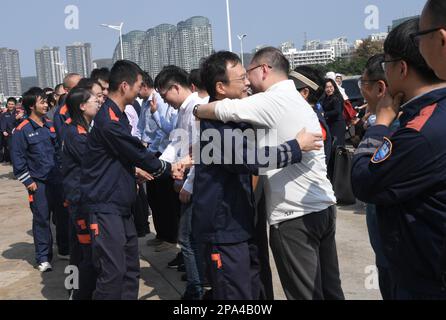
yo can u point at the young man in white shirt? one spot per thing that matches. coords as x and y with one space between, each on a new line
300 198
172 83
156 122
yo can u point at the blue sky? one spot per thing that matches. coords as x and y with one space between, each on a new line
27 25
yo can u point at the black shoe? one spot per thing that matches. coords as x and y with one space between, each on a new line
190 297
208 295
181 268
175 263
184 278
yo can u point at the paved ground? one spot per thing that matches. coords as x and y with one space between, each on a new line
19 279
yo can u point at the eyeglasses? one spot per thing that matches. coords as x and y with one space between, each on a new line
362 82
96 101
242 78
385 62
259 66
163 94
415 37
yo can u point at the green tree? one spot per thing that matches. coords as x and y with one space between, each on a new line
369 48
356 64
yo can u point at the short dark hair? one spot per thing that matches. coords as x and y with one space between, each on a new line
314 75
87 83
274 58
60 85
147 80
399 45
48 89
437 12
214 68
124 71
11 99
195 79
75 98
51 99
171 75
30 98
373 68
101 74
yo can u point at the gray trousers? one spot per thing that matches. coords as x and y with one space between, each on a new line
305 253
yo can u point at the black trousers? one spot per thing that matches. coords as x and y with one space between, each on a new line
166 208
115 256
261 241
81 254
46 199
234 271
5 148
140 212
305 253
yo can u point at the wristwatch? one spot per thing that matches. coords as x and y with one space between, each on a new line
195 111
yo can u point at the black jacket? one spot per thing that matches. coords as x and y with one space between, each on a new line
223 201
404 174
108 183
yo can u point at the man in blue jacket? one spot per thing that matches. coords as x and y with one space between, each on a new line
224 208
431 39
404 173
109 187
36 165
8 121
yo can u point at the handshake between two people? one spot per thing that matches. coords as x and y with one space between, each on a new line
177 172
307 142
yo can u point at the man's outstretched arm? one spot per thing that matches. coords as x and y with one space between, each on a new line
206 111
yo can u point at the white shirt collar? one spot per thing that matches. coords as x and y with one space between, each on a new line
281 84
188 100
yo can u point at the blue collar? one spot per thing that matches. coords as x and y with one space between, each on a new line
110 103
413 108
36 126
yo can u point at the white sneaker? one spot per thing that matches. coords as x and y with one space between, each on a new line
44 267
63 257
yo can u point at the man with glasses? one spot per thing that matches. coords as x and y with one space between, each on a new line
156 122
373 85
300 198
432 43
403 173
431 38
172 83
224 223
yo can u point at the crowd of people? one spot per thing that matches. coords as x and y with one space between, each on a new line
98 154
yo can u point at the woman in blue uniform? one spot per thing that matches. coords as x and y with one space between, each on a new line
82 106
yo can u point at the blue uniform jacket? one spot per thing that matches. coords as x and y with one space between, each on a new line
404 174
60 117
108 183
8 122
73 151
33 152
223 202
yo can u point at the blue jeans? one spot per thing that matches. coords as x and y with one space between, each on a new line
386 285
191 255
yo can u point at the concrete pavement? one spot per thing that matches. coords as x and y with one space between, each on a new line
20 280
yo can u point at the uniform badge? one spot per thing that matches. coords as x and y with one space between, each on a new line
383 152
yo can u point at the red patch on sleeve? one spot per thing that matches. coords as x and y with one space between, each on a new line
113 115
64 110
419 122
20 127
